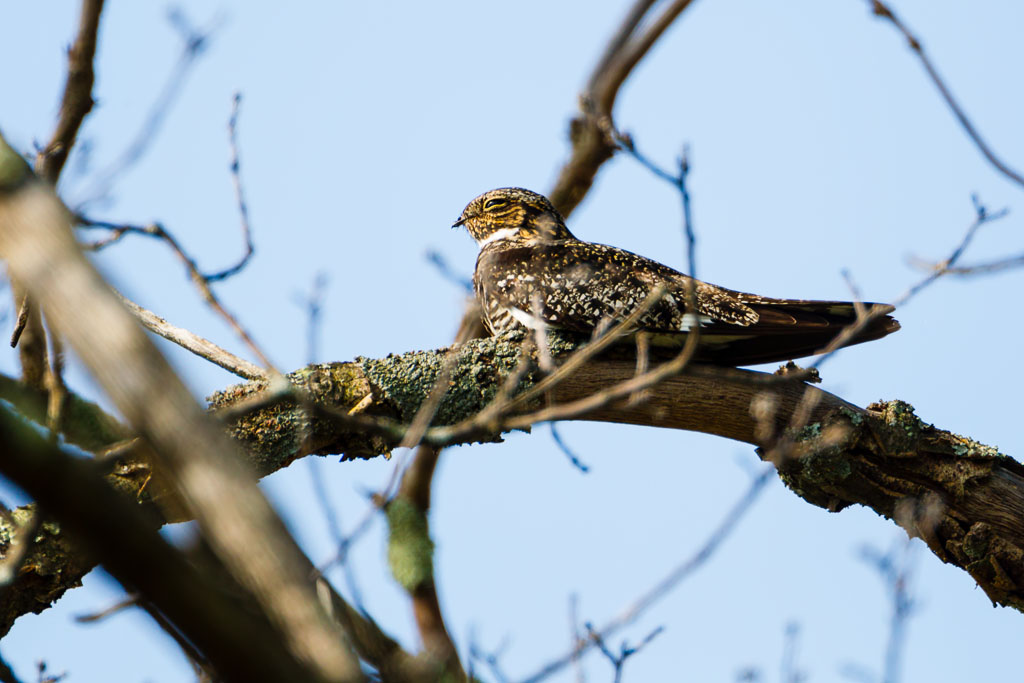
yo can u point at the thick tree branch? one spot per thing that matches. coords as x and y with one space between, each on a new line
970 499
241 646
37 243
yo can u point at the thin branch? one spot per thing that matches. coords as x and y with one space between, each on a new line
77 100
243 207
625 651
190 449
591 145
493 418
202 282
76 103
313 303
194 43
446 271
196 344
882 10
130 600
789 671
896 570
566 451
659 590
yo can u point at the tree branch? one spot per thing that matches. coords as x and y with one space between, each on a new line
588 132
970 498
248 537
882 10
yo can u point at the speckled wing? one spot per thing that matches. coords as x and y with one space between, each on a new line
577 286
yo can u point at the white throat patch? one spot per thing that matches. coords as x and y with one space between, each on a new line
498 235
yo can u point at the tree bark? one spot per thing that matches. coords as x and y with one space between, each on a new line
964 499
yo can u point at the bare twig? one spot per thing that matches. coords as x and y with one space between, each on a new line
195 41
437 259
201 281
193 452
76 103
487 420
77 100
625 651
882 10
575 641
130 600
196 344
789 672
44 677
243 207
896 570
491 659
564 447
658 591
591 144
313 303
581 357
677 180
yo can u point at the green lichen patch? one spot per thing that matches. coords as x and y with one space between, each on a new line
276 434
478 370
807 432
900 415
410 550
969 448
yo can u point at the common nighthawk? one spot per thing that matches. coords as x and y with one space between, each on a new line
532 272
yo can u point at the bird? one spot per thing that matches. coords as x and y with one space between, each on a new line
532 273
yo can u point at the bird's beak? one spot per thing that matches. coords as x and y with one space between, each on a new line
459 222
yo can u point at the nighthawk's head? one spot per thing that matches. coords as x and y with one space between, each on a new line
513 214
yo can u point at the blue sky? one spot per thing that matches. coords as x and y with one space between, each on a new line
817 145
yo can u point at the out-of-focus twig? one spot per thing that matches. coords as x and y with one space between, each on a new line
896 569
625 651
194 42
130 600
882 10
568 452
591 146
193 452
680 572
77 100
76 103
445 269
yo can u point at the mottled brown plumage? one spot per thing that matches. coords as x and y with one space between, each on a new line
532 272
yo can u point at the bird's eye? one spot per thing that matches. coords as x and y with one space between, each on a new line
494 204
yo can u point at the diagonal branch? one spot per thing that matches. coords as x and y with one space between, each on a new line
37 243
77 100
882 10
591 144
